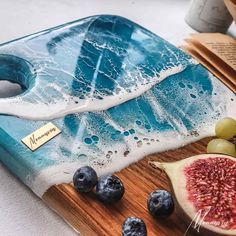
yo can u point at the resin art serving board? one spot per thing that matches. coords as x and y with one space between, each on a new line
118 93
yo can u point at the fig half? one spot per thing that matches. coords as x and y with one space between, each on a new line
205 189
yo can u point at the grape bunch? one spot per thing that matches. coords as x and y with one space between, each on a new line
225 130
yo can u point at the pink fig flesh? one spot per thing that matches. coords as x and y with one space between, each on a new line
204 187
211 188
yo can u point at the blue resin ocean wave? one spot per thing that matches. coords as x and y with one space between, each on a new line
117 92
92 64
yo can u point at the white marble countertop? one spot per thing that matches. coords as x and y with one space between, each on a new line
21 212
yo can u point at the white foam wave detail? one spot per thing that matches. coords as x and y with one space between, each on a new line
37 110
63 172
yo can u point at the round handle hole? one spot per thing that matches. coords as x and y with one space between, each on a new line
16 75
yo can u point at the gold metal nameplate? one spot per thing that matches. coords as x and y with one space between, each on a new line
41 136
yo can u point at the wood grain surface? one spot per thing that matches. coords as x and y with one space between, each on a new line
89 216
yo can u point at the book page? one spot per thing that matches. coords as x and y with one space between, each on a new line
221 45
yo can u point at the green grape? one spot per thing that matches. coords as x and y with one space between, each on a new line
221 146
226 128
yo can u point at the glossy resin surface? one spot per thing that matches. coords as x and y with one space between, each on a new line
117 91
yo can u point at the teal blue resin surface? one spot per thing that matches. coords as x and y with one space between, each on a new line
117 91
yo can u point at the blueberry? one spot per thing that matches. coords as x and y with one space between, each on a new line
109 189
85 178
133 226
160 204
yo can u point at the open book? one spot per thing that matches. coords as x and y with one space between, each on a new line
217 52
